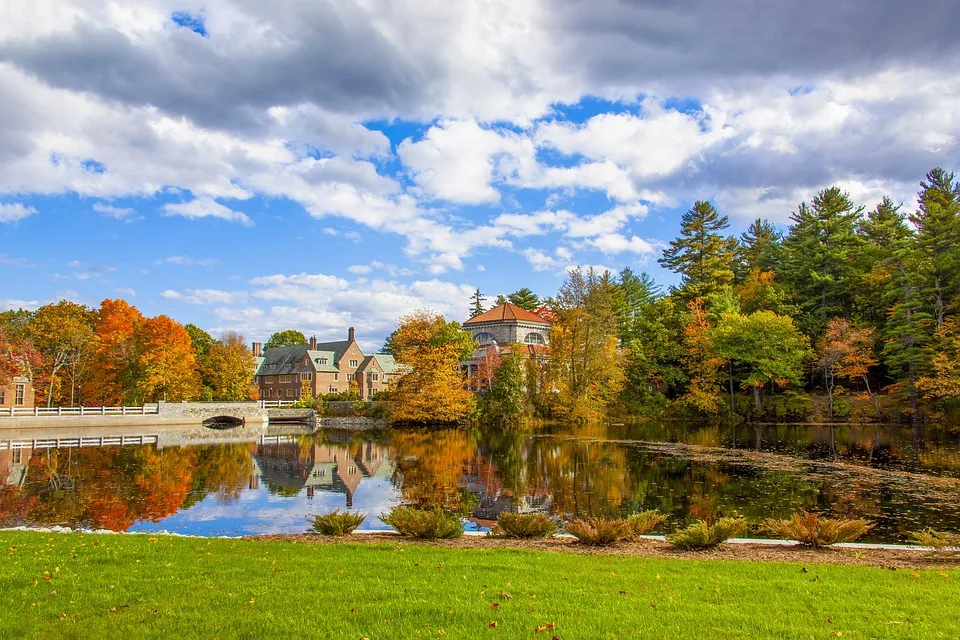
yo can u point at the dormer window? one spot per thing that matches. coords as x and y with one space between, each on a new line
322 360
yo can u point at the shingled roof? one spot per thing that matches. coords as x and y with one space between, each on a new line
506 312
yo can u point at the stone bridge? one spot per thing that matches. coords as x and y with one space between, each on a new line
183 412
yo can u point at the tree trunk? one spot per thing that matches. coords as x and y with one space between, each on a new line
756 397
873 396
730 369
828 383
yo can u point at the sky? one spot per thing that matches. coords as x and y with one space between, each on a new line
319 164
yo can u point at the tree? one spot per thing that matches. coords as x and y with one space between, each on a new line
476 304
760 292
701 254
18 357
233 368
938 232
883 232
506 399
652 354
701 361
944 383
168 368
819 262
845 352
501 299
203 344
586 365
525 299
114 374
766 348
63 335
431 389
288 338
760 246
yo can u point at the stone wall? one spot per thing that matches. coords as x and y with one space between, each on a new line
358 424
204 410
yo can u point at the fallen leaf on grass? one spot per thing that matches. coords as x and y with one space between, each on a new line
505 595
623 593
550 626
492 625
495 605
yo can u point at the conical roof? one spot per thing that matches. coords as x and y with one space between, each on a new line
506 312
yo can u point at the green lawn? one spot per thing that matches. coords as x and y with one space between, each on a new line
75 585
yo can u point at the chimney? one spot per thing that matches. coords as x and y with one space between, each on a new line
257 348
313 343
350 334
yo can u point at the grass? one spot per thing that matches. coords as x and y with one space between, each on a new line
89 586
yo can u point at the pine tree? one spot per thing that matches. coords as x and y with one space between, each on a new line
883 232
702 255
476 304
820 253
525 299
760 246
938 231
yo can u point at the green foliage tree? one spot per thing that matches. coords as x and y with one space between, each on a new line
525 299
63 335
760 246
938 238
820 258
702 255
506 400
287 338
476 304
203 343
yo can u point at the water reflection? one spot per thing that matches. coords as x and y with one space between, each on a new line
271 484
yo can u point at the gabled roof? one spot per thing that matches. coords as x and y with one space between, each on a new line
338 348
318 356
506 312
282 360
387 362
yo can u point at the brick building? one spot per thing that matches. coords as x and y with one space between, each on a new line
326 367
18 393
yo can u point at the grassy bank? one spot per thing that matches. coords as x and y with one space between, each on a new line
75 585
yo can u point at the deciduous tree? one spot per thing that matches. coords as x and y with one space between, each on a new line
233 368
287 338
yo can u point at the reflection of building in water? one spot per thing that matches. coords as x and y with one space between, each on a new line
288 465
482 480
13 465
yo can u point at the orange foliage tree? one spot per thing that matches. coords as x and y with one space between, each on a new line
113 374
846 352
701 360
944 382
166 362
431 388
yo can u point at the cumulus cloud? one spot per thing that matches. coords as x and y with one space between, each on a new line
206 208
186 261
14 212
118 213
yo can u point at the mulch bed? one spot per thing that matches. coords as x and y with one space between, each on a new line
886 558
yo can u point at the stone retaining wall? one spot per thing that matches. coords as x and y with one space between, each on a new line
359 424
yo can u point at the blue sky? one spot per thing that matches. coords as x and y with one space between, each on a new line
322 165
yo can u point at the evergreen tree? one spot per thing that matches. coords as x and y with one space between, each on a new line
820 253
702 255
938 223
525 299
476 304
883 232
760 247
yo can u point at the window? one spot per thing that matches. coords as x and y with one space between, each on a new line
373 393
332 389
351 376
1 396
384 378
322 361
19 397
353 363
268 379
484 337
17 456
289 393
534 338
336 377
306 377
286 379
374 376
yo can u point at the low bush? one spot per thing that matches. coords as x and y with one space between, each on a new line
530 525
939 540
424 524
702 535
645 521
813 530
600 532
336 523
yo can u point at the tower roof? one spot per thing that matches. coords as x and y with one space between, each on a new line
506 312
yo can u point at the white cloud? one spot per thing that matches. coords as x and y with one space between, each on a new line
186 261
9 304
126 291
612 243
14 212
360 268
206 296
118 213
206 208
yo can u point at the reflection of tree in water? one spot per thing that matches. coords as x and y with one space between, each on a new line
430 465
114 487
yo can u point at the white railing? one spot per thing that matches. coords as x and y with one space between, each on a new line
276 404
73 442
46 412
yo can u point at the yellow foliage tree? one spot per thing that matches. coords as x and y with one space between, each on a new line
432 387
168 368
232 368
701 361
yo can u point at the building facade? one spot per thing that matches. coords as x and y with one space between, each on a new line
498 330
324 368
17 393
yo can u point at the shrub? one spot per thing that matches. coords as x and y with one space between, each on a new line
600 532
424 524
336 523
644 521
701 535
531 525
813 530
937 539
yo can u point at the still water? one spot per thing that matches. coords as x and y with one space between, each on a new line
270 482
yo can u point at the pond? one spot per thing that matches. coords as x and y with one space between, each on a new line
271 481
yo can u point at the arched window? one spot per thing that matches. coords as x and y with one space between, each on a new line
534 338
484 337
